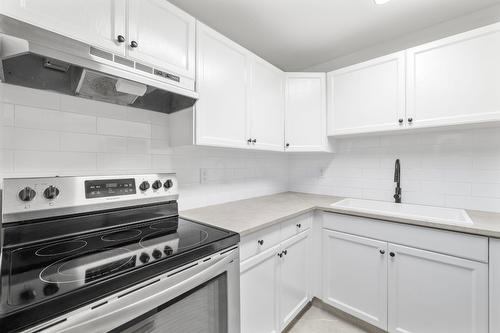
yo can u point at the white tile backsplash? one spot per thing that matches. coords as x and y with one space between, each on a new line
455 168
47 134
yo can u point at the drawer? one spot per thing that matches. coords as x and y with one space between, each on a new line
447 242
295 226
259 241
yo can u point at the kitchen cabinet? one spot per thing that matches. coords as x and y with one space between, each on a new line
165 36
274 282
455 80
293 291
494 279
355 276
431 292
154 33
266 106
258 292
305 112
94 22
367 97
221 79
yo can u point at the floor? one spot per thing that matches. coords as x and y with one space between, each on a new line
316 320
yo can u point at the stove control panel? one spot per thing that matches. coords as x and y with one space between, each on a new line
33 198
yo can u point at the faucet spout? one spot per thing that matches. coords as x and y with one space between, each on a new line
397 180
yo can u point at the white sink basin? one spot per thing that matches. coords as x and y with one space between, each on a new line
414 212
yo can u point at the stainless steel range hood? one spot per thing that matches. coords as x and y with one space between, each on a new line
34 58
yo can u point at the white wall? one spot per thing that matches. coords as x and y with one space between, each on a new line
459 168
47 134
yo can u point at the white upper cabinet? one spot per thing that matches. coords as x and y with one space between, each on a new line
455 80
355 276
95 22
221 81
431 292
305 112
367 97
266 106
164 36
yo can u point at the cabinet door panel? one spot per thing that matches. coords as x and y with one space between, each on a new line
94 22
455 80
266 115
293 293
355 276
222 86
258 293
305 112
367 97
430 292
165 36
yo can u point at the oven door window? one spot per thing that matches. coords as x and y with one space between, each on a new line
200 310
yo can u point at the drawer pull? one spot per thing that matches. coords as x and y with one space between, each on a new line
260 241
299 225
392 254
280 254
285 252
382 251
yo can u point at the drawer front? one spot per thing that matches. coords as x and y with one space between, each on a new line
447 242
295 226
259 241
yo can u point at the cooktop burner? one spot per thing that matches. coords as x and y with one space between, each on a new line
61 248
121 235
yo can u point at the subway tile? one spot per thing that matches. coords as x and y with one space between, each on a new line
138 145
112 144
115 161
6 162
30 97
30 117
474 203
162 163
123 128
77 123
7 113
78 142
39 161
33 139
486 190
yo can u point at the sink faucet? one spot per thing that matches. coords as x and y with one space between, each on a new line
397 180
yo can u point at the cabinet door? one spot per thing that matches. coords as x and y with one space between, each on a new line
165 36
266 101
430 292
355 276
293 281
367 97
494 279
94 22
222 86
305 112
258 293
455 80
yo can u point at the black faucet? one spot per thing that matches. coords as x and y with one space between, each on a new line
397 180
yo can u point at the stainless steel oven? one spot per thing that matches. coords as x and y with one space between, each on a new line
111 254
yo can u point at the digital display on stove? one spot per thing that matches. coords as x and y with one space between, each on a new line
109 188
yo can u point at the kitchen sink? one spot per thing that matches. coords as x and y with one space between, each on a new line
408 211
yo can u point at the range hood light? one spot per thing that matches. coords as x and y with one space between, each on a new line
130 87
381 2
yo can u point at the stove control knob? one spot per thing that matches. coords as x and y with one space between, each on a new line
27 295
144 258
157 254
144 186
168 250
157 184
51 192
27 194
168 184
50 289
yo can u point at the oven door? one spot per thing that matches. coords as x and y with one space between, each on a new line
202 297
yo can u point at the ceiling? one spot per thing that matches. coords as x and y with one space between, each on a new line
297 34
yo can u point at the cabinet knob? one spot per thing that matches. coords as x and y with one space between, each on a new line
287 145
260 242
400 120
392 254
134 44
285 252
249 140
254 141
299 225
120 39
410 120
280 254
382 251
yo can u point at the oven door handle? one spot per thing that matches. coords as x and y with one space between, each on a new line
121 310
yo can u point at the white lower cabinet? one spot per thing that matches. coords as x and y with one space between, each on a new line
258 292
293 293
431 292
355 276
274 285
